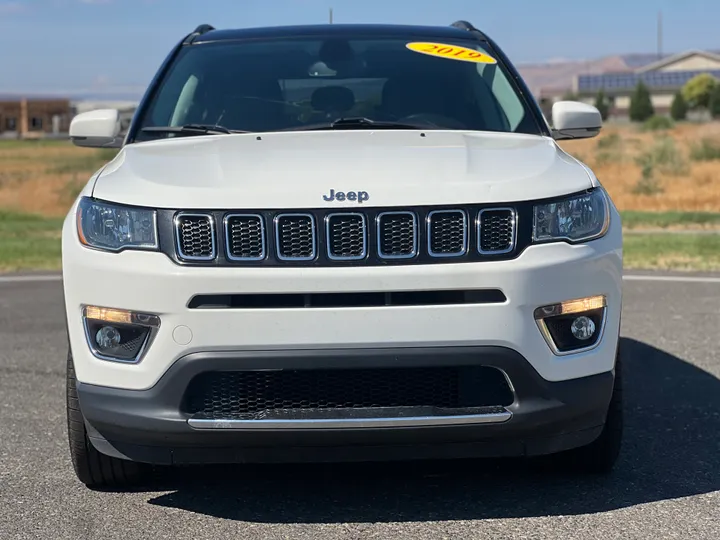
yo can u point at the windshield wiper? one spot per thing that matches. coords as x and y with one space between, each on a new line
192 129
358 123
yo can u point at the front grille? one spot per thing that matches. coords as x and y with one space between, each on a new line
447 233
496 230
245 234
367 236
195 236
295 236
246 395
397 235
346 236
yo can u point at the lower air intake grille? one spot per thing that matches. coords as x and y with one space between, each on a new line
195 237
497 231
245 237
347 237
295 237
247 394
397 235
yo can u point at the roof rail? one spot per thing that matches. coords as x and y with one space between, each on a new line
468 26
464 25
200 30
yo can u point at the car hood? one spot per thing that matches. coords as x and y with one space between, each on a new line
299 169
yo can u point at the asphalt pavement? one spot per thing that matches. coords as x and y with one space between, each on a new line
667 484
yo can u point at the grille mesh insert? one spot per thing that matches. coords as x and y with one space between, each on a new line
397 235
195 237
447 230
497 231
245 237
296 236
346 236
247 394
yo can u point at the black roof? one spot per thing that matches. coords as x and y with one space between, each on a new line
209 34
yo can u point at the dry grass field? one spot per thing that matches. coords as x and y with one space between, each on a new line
660 179
44 177
676 169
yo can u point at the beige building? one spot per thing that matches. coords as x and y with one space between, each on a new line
32 118
663 78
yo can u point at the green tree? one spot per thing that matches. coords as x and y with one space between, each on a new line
641 107
697 91
602 105
679 108
714 102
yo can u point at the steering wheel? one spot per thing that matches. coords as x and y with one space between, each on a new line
434 120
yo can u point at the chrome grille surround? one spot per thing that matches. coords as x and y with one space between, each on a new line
288 242
347 236
203 243
382 239
246 241
496 236
432 233
324 237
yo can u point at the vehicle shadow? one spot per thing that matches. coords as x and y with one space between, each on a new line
671 450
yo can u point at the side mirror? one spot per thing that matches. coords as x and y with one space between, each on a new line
97 129
575 120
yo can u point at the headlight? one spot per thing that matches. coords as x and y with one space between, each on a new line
113 227
577 219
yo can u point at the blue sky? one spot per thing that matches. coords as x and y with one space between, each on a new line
63 46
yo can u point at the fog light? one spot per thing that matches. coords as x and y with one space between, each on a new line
583 328
119 335
107 337
574 325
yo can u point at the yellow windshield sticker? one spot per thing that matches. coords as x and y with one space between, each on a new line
453 52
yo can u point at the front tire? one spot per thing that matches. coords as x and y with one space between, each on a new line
600 456
92 468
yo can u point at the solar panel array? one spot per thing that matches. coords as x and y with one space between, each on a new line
628 81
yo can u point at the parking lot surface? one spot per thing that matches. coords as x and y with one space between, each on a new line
667 484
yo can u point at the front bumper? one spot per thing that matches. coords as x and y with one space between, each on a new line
151 283
544 417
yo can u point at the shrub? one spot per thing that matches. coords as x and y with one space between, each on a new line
697 91
648 184
679 108
611 140
714 102
665 157
610 149
641 107
657 123
705 150
602 105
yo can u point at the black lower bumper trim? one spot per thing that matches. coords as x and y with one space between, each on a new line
150 426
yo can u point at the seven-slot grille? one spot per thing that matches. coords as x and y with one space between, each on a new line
347 236
195 236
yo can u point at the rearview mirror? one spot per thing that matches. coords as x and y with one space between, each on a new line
575 120
97 129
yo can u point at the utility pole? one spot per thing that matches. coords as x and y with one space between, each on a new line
659 35
331 15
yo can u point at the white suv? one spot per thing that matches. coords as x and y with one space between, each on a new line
341 242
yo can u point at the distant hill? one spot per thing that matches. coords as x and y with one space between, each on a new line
559 75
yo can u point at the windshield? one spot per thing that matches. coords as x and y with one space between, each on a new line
284 84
